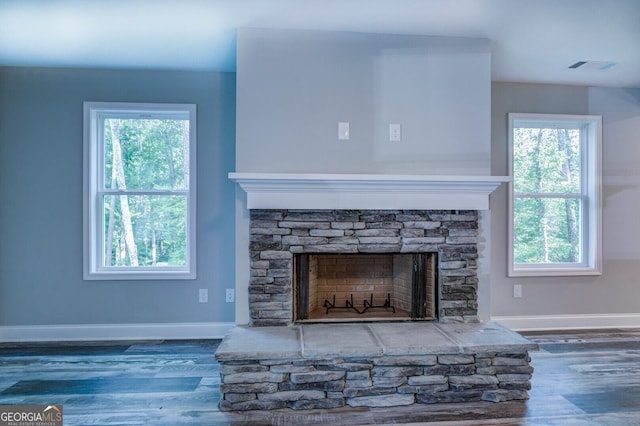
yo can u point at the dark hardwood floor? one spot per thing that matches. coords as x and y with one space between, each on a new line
581 378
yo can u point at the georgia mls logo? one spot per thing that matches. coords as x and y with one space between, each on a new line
54 412
30 415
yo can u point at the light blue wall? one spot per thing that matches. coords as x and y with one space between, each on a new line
41 190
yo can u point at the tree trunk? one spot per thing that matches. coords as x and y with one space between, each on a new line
167 136
541 207
129 239
112 206
564 147
154 249
185 147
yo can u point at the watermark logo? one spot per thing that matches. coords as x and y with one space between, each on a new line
30 415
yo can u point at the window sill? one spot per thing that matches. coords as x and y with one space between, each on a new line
139 275
554 272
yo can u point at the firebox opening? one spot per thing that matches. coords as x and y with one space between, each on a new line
365 287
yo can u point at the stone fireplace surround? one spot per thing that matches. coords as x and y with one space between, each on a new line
276 235
276 364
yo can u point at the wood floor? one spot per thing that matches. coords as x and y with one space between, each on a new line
581 378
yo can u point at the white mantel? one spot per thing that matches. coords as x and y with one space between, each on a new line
366 191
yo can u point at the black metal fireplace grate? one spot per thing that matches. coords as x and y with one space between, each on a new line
366 305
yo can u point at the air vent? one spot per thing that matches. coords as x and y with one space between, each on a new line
592 65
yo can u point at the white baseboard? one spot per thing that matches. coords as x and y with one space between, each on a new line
568 322
99 332
217 330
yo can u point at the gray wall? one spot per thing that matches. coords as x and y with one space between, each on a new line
295 86
41 188
617 290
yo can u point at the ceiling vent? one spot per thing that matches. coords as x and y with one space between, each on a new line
592 65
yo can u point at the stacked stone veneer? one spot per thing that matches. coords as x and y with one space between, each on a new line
276 235
376 382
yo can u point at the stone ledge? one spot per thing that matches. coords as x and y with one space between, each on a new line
323 341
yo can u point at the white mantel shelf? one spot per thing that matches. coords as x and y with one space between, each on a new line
366 191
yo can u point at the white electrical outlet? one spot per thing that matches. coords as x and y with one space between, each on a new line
203 295
517 291
395 133
230 296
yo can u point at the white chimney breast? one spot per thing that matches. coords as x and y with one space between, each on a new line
293 86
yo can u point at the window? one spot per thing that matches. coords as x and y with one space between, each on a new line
139 191
554 203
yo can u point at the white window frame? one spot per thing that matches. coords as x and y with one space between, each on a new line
93 191
591 196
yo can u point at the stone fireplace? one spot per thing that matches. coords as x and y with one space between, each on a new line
305 232
354 255
330 258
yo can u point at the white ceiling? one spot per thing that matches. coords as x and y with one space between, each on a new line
532 41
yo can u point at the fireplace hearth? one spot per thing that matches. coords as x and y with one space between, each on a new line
322 366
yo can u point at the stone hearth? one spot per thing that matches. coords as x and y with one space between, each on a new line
314 366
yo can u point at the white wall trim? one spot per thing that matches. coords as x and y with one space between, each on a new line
568 322
98 332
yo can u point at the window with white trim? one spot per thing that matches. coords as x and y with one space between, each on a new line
139 191
554 198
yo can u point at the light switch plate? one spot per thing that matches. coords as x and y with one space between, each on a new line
343 131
